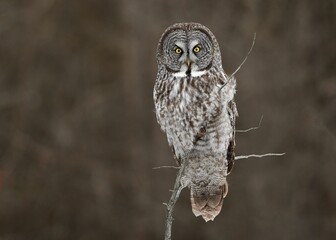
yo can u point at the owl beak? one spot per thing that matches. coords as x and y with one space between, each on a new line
188 63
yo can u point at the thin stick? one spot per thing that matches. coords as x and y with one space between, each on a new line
252 128
248 54
166 167
258 156
173 199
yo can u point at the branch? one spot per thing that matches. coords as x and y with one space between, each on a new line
155 168
252 128
258 156
248 54
173 199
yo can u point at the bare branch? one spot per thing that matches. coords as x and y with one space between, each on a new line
258 156
252 128
178 186
248 54
173 199
175 167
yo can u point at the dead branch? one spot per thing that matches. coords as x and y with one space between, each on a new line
160 167
173 199
258 156
248 54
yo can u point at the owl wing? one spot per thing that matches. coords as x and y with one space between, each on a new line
230 152
163 118
171 126
227 86
219 134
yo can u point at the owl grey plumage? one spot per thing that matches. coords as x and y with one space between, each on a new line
194 103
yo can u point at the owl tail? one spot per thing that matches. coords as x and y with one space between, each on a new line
207 201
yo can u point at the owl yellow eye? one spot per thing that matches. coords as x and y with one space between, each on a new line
178 50
196 49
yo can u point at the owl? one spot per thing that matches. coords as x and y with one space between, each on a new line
194 106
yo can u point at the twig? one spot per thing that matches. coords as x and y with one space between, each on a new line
248 54
258 156
166 167
170 206
252 128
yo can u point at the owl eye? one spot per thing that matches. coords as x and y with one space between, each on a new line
178 50
197 49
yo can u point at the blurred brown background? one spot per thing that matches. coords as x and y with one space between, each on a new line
79 138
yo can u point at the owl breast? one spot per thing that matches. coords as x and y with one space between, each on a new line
193 113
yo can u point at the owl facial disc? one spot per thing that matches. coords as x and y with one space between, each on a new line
186 52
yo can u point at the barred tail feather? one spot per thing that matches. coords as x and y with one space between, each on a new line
208 201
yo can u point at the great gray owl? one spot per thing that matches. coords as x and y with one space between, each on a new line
194 105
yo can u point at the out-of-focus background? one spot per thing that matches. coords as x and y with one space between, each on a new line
79 138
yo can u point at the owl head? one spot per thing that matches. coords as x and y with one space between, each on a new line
188 49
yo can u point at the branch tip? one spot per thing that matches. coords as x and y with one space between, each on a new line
248 54
252 128
160 167
258 155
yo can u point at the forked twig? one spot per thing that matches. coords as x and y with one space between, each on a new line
252 128
258 156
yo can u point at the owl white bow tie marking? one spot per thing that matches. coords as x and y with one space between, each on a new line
192 74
